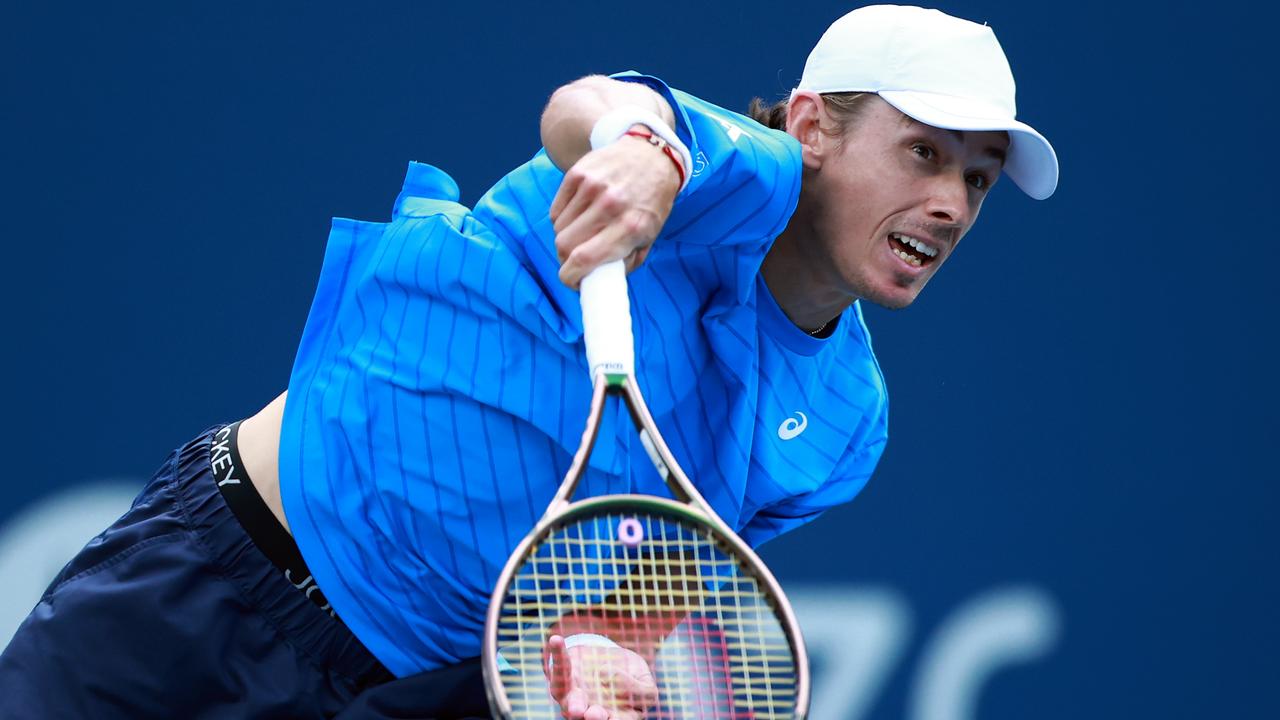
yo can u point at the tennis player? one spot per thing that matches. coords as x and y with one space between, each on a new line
334 553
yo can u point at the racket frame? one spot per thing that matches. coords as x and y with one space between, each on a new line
689 504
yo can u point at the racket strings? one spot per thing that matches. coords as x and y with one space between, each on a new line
665 587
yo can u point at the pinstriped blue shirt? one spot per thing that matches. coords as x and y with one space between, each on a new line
440 387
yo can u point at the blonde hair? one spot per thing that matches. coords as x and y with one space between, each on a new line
846 107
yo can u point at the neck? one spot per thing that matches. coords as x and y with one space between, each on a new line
800 279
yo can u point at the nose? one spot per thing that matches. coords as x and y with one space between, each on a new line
949 201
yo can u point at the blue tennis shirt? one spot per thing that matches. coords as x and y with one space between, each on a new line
441 387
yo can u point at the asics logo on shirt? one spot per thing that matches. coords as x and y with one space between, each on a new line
792 427
699 164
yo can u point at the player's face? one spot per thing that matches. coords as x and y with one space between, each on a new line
895 199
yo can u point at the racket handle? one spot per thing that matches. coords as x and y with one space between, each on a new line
606 320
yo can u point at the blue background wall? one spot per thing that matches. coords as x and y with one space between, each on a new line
1082 400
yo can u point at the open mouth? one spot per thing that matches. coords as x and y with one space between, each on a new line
912 251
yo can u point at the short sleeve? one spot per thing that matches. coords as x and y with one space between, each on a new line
745 179
850 476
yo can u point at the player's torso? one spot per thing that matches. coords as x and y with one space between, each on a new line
440 392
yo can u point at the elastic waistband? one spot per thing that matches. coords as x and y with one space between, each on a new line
234 553
263 528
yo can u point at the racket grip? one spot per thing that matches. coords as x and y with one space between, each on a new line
606 320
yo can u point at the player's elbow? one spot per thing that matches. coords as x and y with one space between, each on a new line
576 99
567 119
590 85
573 110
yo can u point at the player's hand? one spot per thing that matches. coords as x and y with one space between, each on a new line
599 683
611 205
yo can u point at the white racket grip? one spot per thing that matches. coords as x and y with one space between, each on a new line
606 319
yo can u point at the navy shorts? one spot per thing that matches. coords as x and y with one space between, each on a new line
173 612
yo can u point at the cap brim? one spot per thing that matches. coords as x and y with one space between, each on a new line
1032 164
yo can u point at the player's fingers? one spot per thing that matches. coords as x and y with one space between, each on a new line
595 712
583 219
560 673
581 229
568 189
637 257
574 706
628 713
613 242
585 258
636 688
577 213
584 197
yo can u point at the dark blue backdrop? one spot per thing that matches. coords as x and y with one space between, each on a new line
1081 401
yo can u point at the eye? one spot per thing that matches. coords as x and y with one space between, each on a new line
979 181
924 151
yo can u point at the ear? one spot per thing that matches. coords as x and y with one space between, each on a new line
806 115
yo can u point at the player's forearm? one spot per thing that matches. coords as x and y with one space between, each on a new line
574 109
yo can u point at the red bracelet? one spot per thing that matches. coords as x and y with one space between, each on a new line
662 145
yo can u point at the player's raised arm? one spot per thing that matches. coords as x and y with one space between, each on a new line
574 109
615 198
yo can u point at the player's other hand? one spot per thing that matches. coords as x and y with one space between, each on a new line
611 205
599 683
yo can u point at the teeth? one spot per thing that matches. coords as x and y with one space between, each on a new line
912 259
917 244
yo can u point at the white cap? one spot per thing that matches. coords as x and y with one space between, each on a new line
940 70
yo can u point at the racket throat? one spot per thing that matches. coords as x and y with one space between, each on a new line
654 456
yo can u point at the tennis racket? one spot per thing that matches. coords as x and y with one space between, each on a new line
665 578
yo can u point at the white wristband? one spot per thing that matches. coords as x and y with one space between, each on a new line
615 123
